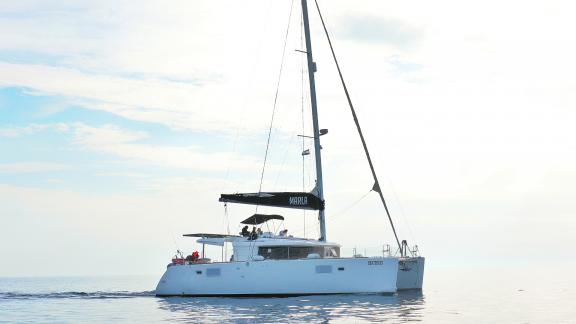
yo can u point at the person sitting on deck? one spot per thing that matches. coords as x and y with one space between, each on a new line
195 256
253 234
245 231
259 231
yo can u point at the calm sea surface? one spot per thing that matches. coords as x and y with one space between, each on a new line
522 295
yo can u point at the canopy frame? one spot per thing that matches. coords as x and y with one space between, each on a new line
258 219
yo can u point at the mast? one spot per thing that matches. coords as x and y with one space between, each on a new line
311 70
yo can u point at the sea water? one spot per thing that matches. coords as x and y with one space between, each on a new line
450 295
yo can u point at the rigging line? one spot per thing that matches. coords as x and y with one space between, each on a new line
302 114
404 215
174 241
263 27
376 186
288 147
275 100
342 211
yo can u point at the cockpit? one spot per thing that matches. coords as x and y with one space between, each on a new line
258 245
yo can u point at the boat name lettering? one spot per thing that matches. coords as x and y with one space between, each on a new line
375 262
300 201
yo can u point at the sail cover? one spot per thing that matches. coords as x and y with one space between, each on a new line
298 200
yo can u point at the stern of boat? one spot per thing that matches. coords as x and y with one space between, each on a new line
410 273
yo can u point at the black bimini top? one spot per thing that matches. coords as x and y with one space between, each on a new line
258 219
208 235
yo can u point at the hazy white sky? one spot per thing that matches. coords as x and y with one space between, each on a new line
121 122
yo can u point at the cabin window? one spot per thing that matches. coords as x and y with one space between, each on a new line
293 252
302 252
274 252
323 269
213 272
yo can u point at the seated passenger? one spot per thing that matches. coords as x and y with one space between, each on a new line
195 256
245 231
259 231
253 234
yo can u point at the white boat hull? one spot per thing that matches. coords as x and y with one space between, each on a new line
410 273
281 277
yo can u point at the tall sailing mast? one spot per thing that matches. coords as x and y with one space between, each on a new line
311 69
313 200
301 200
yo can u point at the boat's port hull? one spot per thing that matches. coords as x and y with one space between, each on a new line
276 278
272 295
410 273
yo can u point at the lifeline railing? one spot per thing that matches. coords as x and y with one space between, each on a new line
381 251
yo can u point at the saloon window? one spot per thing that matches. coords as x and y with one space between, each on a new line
289 252
302 252
274 252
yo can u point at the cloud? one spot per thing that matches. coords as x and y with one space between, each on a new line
90 136
381 30
18 131
118 95
14 132
111 139
403 68
130 146
178 105
32 167
151 63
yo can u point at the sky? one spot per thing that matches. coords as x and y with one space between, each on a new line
121 122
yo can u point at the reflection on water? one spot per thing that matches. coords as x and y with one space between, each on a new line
404 306
126 299
527 295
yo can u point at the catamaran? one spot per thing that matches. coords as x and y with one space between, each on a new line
270 264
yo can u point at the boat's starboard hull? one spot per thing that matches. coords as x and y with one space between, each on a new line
410 273
281 277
